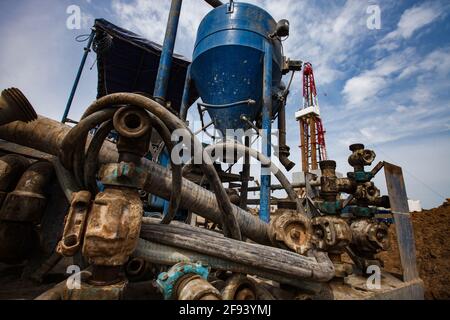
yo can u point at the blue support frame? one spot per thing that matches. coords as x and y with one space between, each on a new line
165 64
185 100
264 211
78 77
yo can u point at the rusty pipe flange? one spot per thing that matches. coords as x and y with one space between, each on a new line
27 202
132 122
292 231
113 226
239 288
14 106
331 234
361 157
367 191
370 236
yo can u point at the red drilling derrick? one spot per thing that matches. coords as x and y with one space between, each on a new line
312 132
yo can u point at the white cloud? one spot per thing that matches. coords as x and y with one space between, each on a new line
436 63
359 89
149 20
414 19
326 36
367 85
411 21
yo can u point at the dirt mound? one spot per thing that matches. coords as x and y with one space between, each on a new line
431 231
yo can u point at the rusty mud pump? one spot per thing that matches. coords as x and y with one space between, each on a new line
122 196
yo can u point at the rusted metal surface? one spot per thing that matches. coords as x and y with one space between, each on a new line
21 211
46 135
29 153
196 288
360 157
331 234
91 292
239 288
113 227
370 237
132 122
403 225
168 255
291 231
14 106
75 224
108 228
11 169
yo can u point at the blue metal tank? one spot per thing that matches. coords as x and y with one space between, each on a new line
228 63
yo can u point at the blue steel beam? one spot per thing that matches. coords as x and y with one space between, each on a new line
186 97
264 211
78 77
165 64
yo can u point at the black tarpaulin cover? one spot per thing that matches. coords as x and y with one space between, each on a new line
129 63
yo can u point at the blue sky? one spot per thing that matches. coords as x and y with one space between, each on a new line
387 88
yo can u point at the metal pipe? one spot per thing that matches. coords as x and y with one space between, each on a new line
46 135
165 63
264 211
203 202
78 77
266 162
168 256
228 220
214 3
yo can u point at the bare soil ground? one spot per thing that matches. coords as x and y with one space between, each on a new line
431 231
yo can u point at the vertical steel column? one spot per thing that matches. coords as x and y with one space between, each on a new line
78 77
186 96
165 63
264 212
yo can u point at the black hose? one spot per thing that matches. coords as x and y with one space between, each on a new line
293 196
86 166
91 161
175 196
229 222
72 153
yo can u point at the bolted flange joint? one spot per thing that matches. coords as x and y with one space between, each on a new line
171 283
